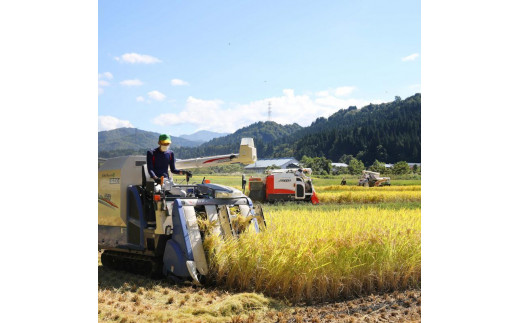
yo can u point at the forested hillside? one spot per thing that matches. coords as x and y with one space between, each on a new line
389 132
262 132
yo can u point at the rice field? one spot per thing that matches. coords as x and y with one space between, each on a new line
367 197
350 188
360 248
310 255
236 180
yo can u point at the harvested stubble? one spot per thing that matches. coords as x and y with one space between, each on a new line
369 196
311 255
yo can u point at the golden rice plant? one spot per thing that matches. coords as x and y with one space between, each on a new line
369 196
356 188
308 254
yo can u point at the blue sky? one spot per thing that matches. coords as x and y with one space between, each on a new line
182 66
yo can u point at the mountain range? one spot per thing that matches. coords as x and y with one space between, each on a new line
135 140
203 136
388 132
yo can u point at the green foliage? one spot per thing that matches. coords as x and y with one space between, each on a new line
379 167
340 170
361 155
346 159
319 165
381 153
356 167
401 168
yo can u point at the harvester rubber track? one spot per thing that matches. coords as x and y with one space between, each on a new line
133 263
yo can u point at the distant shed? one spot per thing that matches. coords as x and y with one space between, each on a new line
283 163
337 166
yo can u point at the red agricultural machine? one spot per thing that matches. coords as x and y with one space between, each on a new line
283 185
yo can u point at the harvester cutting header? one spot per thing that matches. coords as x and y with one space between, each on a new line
152 226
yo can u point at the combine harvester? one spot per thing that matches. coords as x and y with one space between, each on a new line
373 179
283 185
154 229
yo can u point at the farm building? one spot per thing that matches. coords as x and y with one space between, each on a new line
283 163
336 166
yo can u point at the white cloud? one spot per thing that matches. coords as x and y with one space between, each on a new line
286 109
322 93
134 58
102 83
140 99
344 90
106 75
156 95
134 82
288 92
410 57
195 108
110 123
178 82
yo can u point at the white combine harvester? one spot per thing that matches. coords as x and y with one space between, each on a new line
152 228
373 179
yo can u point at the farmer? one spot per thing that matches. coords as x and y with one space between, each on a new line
160 158
244 182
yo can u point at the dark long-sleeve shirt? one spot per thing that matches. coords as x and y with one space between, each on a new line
158 162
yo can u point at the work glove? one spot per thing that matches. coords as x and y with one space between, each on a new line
188 173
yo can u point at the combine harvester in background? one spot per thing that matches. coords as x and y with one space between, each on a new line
373 179
153 229
283 185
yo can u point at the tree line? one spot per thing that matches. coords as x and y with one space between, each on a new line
323 166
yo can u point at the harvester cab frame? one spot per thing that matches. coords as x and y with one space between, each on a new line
151 228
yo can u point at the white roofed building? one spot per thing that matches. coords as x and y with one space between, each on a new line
283 163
